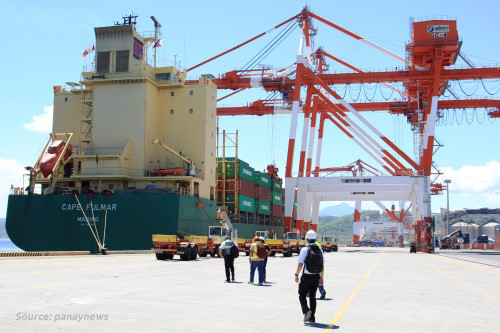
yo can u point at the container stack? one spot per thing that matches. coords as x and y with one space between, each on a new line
263 198
239 188
250 196
277 201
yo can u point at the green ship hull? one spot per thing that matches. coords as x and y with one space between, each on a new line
56 222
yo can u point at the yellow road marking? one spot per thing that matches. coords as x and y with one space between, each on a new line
451 277
469 264
354 293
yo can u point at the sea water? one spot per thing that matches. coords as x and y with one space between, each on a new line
6 245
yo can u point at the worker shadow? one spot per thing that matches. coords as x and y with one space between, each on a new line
324 299
236 282
323 326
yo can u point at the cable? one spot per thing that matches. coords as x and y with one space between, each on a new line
374 93
484 87
383 96
461 119
359 93
477 116
467 117
460 85
262 50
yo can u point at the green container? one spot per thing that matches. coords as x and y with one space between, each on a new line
277 185
264 208
244 171
262 179
245 204
277 198
230 160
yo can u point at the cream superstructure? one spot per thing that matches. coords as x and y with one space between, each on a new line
121 107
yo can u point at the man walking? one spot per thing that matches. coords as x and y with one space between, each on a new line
257 256
311 263
225 250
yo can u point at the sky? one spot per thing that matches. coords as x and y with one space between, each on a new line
47 40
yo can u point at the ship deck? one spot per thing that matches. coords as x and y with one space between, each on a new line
368 290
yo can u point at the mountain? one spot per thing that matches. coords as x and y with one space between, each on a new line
337 210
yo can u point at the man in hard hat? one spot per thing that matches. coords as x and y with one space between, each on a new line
225 250
311 263
257 256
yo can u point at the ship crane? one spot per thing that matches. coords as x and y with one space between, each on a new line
424 77
184 158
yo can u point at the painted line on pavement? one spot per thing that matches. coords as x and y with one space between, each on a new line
347 303
468 264
451 277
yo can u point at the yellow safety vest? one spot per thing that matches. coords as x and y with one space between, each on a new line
254 252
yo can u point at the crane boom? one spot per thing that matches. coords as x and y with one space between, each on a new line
183 158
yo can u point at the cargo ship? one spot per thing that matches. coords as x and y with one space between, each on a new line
132 153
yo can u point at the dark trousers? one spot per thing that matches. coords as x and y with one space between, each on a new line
308 284
229 265
264 269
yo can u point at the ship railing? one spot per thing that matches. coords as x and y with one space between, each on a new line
114 171
96 151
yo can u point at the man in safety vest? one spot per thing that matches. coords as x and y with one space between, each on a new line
268 252
311 263
257 256
225 250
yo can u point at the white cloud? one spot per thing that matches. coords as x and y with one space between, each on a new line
11 173
41 123
474 180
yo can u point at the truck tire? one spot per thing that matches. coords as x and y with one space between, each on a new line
247 253
169 256
216 251
272 254
187 254
298 250
212 254
335 248
194 252
203 254
160 256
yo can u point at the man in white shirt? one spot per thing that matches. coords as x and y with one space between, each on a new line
310 258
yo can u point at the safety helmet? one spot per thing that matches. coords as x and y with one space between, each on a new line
311 234
261 238
227 237
255 239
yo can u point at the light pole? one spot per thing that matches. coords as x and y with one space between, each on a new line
447 182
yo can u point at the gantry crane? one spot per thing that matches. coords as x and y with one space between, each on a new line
424 77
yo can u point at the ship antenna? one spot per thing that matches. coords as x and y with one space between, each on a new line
157 34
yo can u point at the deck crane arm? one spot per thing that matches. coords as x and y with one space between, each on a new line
192 167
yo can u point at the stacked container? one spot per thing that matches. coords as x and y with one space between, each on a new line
277 202
263 195
240 177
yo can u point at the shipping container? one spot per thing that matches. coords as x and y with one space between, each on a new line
277 198
244 171
231 160
246 204
244 187
262 179
277 210
262 193
264 208
277 186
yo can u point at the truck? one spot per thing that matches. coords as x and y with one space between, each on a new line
188 248
329 245
290 244
217 234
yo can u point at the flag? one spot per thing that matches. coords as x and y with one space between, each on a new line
93 48
159 43
96 159
86 52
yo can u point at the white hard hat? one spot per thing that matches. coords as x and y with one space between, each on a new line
311 234
261 238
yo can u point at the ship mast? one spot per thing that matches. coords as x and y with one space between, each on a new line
157 34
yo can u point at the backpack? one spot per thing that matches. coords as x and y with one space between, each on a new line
235 253
314 260
261 251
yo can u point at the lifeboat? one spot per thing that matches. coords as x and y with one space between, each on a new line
50 158
168 172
